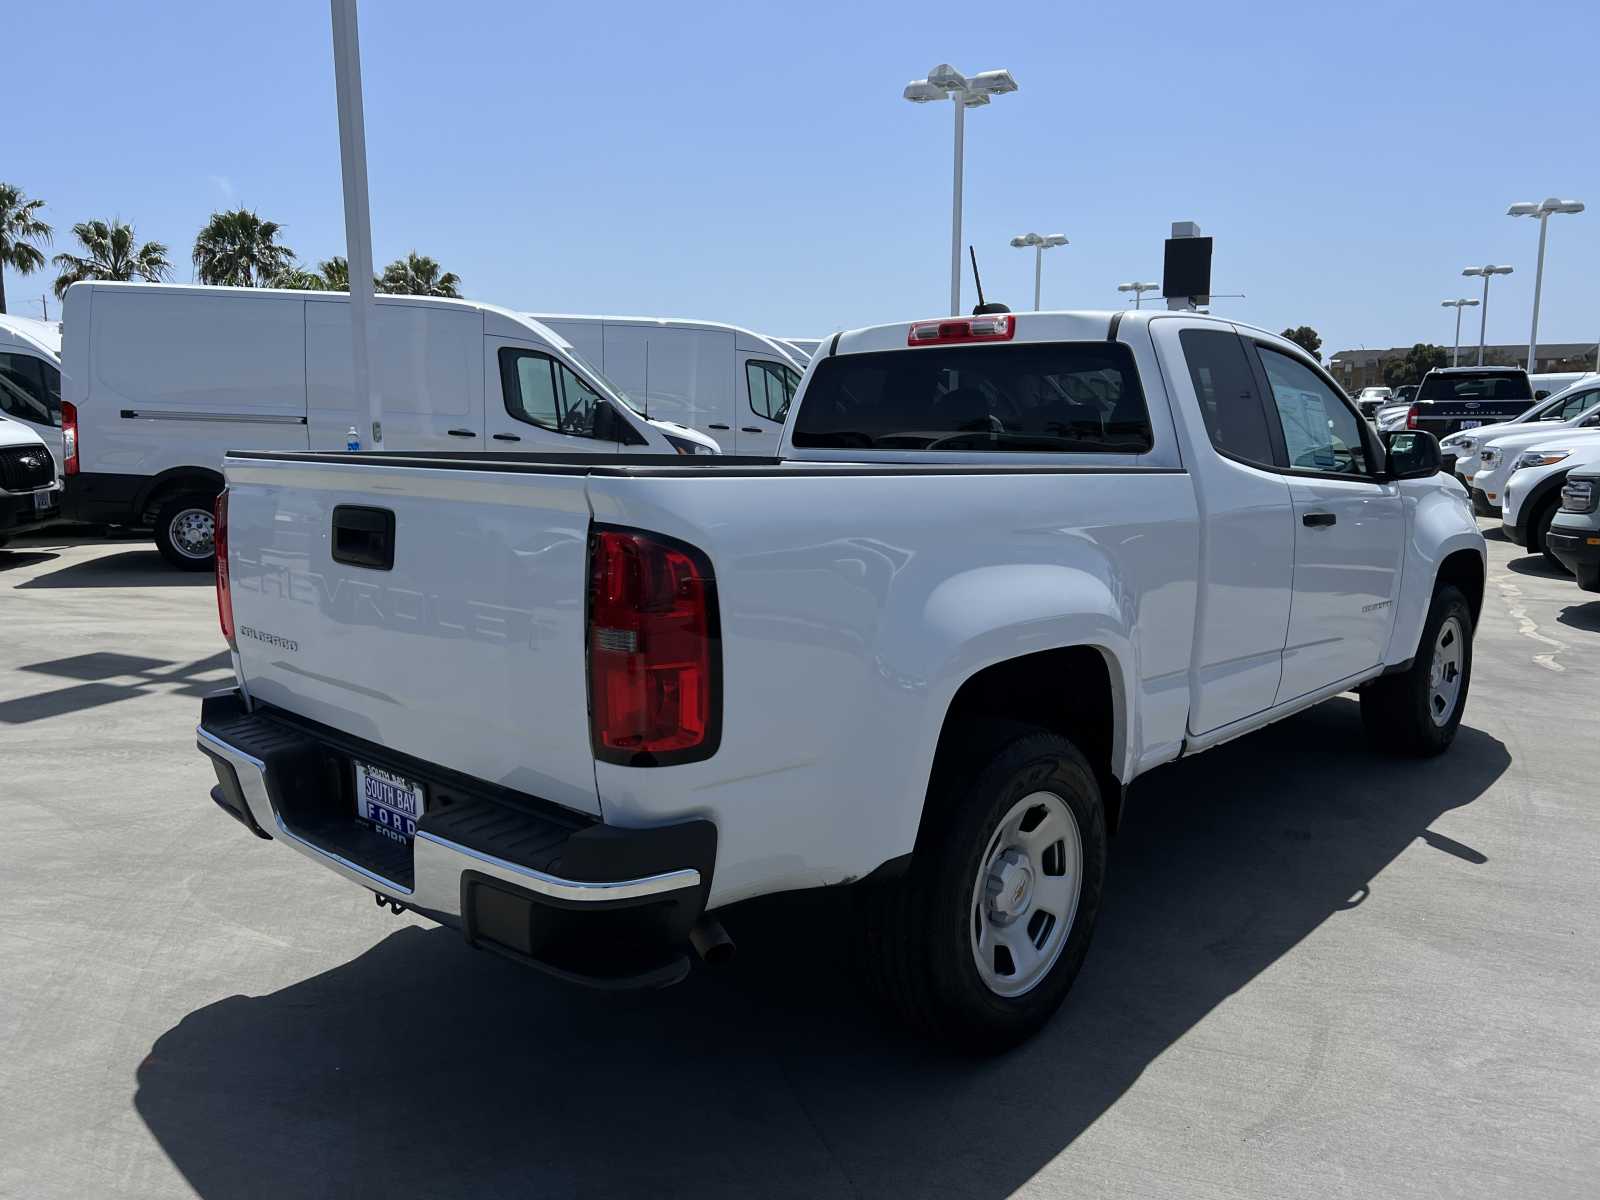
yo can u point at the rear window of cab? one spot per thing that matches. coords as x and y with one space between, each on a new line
1029 397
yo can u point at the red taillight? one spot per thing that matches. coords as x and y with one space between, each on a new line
69 438
991 328
224 594
1411 417
654 658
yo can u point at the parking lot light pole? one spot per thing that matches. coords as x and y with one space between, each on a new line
1542 210
944 82
1040 243
1458 305
1138 290
1487 271
357 214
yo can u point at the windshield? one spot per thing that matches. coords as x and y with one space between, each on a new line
1029 397
1498 385
610 389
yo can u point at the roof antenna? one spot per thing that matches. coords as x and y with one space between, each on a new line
983 308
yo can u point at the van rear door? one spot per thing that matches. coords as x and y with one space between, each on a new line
425 365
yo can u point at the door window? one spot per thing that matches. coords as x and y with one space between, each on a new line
545 392
1226 389
26 393
1574 406
772 386
1320 432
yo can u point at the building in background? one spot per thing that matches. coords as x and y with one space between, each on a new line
1356 369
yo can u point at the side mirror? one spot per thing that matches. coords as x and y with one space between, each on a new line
1412 454
1540 395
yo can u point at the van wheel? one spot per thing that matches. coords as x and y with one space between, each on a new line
978 944
1418 711
186 532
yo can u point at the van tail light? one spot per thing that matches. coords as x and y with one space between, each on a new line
69 438
224 591
655 655
1411 417
995 327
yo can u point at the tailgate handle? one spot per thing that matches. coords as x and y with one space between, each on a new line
363 537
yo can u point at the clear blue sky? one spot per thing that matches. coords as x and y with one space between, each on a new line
756 164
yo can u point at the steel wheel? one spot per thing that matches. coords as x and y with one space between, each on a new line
1026 896
1444 677
192 532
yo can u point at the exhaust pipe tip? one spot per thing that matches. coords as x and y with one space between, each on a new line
711 942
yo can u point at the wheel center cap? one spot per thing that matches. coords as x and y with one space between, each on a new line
1010 886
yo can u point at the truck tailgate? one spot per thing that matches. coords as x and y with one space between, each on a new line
467 652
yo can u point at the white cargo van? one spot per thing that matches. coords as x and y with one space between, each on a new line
729 383
162 380
30 378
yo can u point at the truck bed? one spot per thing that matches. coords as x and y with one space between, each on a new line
854 598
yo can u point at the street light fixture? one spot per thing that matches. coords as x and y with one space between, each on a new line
1040 243
1541 210
945 82
1138 290
1486 271
1458 306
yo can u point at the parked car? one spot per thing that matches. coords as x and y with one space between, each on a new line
30 379
30 494
1581 395
1001 566
1451 399
1532 494
1548 383
732 385
1405 393
1371 399
1574 535
1498 459
161 380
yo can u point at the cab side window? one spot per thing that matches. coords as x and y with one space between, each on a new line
544 392
772 386
1576 406
26 392
1226 389
1320 432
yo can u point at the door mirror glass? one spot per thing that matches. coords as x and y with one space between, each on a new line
1413 454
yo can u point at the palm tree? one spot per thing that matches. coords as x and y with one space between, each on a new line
112 253
418 275
335 273
240 249
298 279
20 227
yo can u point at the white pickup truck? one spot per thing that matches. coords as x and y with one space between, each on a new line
1000 567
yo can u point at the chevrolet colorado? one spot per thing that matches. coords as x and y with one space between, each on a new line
1000 567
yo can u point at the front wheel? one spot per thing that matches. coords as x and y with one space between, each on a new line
1418 711
979 943
186 532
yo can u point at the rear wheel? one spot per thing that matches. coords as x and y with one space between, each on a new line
186 532
978 944
1418 711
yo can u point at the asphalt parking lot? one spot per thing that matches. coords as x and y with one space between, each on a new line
1318 972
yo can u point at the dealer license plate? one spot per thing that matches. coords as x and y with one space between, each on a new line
392 803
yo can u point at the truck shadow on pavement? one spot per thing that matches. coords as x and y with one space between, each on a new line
126 569
421 1068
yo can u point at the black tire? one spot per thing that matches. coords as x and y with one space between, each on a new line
1539 529
1399 711
178 548
916 934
